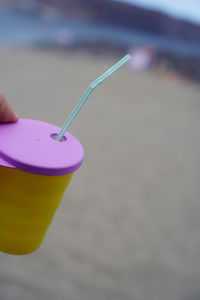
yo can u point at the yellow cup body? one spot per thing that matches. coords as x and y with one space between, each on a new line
28 203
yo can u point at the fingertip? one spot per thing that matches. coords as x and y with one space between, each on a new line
7 115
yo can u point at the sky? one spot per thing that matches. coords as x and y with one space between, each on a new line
184 9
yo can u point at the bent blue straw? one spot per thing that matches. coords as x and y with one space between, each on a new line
87 94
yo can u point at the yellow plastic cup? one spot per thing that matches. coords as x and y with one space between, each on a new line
35 171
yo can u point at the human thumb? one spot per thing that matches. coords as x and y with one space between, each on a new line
7 115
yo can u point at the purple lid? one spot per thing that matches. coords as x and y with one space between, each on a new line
28 145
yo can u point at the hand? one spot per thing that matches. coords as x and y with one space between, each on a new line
7 115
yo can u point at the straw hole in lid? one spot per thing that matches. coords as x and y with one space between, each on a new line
54 135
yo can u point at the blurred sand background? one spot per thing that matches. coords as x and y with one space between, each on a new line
129 224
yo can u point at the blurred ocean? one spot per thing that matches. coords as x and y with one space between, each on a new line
19 28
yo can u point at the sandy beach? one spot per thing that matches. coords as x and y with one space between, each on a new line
129 225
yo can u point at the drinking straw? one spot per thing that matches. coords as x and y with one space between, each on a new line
87 94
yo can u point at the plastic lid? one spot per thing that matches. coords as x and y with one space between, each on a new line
28 145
